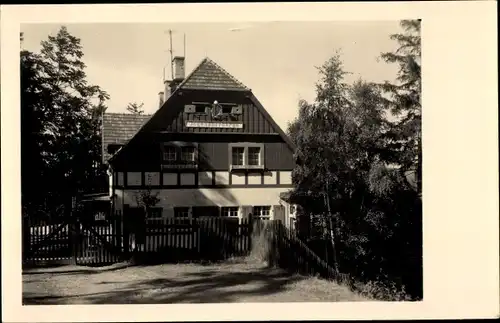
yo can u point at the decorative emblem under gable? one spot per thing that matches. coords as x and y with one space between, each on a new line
217 111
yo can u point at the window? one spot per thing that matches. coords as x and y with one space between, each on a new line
155 212
200 109
238 156
205 211
226 110
230 211
246 156
262 212
187 154
179 155
254 156
169 154
181 215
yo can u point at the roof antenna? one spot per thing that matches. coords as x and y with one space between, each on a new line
184 46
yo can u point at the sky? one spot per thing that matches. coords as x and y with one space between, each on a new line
277 60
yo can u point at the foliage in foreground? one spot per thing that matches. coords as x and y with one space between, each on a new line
60 126
351 175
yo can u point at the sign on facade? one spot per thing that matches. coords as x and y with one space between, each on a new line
205 124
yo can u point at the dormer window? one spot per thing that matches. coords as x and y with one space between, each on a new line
226 110
200 109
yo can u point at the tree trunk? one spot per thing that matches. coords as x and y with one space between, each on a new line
332 232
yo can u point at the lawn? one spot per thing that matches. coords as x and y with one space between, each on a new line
237 281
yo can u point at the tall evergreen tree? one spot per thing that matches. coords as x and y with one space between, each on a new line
404 100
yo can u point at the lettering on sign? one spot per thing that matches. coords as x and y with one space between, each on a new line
100 216
205 124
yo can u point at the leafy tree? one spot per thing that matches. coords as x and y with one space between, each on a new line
135 108
61 115
404 100
366 209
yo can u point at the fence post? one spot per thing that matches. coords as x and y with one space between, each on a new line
73 231
125 231
26 237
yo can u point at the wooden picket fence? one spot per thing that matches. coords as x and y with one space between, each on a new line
212 239
287 251
44 241
82 240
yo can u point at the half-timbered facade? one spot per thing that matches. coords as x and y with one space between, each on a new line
211 149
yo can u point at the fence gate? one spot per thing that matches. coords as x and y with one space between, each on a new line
47 242
99 242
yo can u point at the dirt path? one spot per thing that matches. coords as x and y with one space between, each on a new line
182 283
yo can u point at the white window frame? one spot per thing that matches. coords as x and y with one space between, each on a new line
259 161
193 156
179 161
233 154
229 211
156 208
168 154
262 212
246 148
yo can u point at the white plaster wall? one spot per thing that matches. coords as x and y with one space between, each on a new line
188 179
270 178
152 178
285 177
238 178
169 179
119 178
205 178
134 178
254 179
208 196
221 178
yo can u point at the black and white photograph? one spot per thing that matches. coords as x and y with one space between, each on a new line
222 162
292 177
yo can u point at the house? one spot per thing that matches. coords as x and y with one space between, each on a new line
211 149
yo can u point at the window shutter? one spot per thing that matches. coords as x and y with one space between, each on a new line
237 109
190 108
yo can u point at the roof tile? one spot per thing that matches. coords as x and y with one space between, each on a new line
118 128
208 75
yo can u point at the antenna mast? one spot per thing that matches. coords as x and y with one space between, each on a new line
184 46
171 54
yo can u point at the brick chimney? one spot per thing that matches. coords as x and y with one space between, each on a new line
179 71
168 90
161 96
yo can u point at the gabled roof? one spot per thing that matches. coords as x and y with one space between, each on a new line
119 128
208 75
